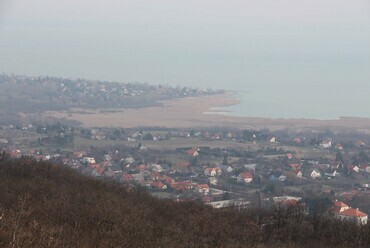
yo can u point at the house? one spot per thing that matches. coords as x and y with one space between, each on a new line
338 146
295 166
353 214
88 160
202 188
250 166
156 167
360 143
286 200
167 180
126 178
212 172
315 174
155 176
331 174
337 165
182 186
273 140
98 171
158 185
280 178
138 177
365 168
354 168
244 177
225 168
343 212
326 144
129 160
237 203
80 154
193 152
213 180
298 174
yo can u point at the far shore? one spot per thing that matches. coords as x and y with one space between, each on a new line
203 111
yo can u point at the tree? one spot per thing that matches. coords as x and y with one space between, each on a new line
148 136
339 156
225 162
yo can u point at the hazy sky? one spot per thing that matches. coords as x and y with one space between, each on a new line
198 42
188 11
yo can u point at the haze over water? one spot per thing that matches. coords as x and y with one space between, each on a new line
288 58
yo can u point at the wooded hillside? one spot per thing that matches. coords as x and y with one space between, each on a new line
46 205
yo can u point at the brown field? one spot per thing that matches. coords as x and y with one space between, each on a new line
197 112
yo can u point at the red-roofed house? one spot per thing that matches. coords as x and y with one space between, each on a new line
167 179
365 167
98 171
295 166
193 152
202 188
127 178
212 172
360 143
244 177
339 207
158 185
353 214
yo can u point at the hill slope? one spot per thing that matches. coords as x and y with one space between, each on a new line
45 205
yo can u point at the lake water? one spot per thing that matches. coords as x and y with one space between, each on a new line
290 71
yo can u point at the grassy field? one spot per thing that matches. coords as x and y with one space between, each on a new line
81 143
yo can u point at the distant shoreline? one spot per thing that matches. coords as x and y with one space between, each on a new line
198 112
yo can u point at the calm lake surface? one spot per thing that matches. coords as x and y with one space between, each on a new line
288 71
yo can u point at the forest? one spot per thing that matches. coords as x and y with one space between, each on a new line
48 205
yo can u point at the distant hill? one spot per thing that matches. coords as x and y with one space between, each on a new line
46 205
38 94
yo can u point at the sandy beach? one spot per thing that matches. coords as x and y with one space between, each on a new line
197 112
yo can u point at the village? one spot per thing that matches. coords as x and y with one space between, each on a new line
219 167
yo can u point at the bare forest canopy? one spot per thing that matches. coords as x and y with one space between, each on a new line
46 205
22 94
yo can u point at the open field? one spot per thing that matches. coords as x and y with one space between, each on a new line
198 112
82 143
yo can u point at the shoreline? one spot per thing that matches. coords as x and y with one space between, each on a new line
191 112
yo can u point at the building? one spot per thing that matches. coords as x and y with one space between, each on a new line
212 172
244 177
237 203
353 214
344 212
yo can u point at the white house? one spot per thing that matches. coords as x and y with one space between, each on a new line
325 144
213 180
315 174
331 174
238 203
88 160
298 174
